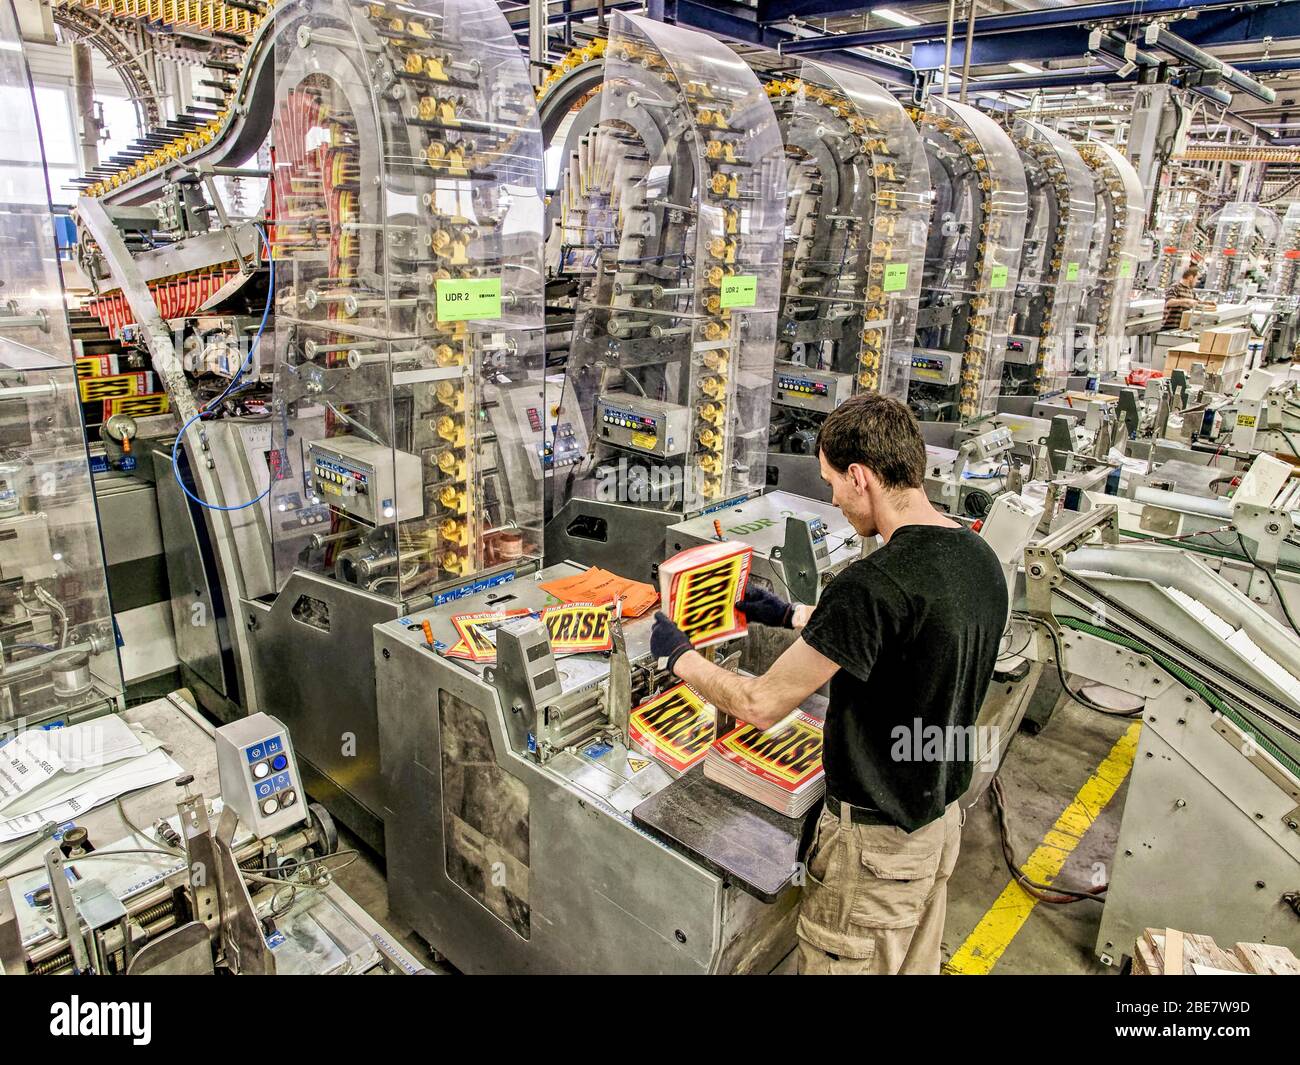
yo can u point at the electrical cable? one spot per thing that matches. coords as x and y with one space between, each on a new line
349 420
1077 696
1131 539
121 852
138 831
1289 442
1049 893
1019 650
210 407
1281 602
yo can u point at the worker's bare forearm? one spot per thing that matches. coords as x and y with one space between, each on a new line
730 692
760 701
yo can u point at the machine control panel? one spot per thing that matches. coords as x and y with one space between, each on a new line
817 534
564 450
642 424
805 555
259 774
936 366
365 480
816 390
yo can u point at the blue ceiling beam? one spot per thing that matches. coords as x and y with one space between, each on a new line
1021 83
1268 66
740 23
564 16
1063 42
998 50
1022 22
779 10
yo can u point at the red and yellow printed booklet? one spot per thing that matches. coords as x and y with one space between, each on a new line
781 768
476 643
675 728
578 628
700 587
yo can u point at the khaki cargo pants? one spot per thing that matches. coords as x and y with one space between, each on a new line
875 896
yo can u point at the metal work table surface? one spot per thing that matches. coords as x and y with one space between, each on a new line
730 834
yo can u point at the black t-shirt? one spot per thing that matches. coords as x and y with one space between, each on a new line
915 629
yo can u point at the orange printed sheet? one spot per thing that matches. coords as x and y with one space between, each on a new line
598 585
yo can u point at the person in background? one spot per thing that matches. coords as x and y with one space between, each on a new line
1181 296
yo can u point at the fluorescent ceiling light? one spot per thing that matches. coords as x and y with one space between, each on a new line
1025 68
896 17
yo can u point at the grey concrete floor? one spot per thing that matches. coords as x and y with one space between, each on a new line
1040 777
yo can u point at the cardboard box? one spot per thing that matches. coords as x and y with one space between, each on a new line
1224 341
1185 356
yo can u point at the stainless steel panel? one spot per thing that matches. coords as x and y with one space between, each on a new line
318 677
199 639
633 537
1193 797
128 514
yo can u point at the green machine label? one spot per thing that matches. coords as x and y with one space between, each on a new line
895 277
459 301
998 277
740 290
1126 268
1072 271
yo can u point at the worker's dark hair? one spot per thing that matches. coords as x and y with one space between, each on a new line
879 433
1191 268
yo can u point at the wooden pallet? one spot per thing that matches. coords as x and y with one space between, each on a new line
1169 952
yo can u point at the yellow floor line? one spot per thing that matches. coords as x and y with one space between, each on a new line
997 928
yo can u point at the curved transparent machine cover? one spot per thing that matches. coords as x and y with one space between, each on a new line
674 339
408 404
856 223
1174 253
1121 218
973 257
58 652
1054 269
1244 235
1286 262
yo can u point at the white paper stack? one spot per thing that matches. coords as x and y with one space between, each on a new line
59 774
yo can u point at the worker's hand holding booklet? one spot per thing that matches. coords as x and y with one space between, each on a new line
700 587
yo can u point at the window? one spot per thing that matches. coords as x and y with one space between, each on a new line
20 171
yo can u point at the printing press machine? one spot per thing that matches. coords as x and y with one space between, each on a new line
524 835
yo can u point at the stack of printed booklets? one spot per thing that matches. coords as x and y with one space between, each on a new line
675 728
781 768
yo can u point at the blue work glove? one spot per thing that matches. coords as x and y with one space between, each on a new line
766 608
667 642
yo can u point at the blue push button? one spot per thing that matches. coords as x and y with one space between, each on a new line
279 762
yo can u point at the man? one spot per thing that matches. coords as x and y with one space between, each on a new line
1181 296
907 638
